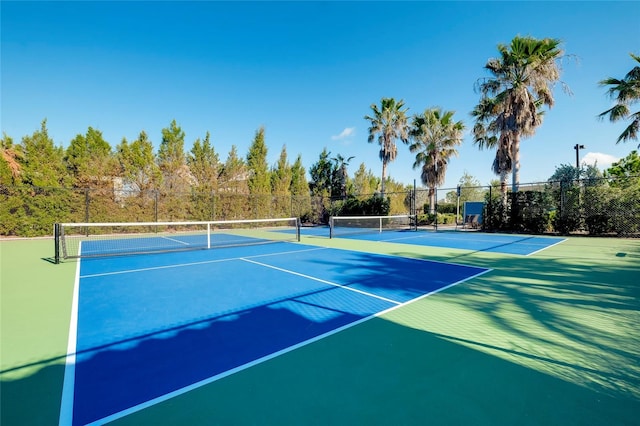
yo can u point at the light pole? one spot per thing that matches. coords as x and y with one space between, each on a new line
578 147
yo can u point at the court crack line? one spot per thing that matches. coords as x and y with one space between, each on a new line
395 302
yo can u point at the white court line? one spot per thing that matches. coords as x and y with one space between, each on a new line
322 281
204 262
516 242
174 240
66 403
546 247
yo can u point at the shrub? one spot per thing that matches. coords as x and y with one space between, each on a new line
598 224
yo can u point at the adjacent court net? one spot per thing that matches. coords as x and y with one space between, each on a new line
74 240
350 225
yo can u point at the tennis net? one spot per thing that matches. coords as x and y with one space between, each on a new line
350 225
74 240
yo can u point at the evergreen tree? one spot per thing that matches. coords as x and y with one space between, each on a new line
233 187
176 179
281 175
204 164
340 180
300 195
42 163
171 159
322 173
138 163
10 155
259 181
33 211
364 181
281 185
90 160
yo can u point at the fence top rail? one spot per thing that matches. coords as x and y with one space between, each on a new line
207 222
398 216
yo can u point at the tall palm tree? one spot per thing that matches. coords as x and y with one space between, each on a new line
487 135
434 136
389 122
521 85
626 92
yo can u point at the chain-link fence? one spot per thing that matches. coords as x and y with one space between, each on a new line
592 207
595 206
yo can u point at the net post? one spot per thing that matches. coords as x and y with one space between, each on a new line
380 225
208 235
331 227
298 229
56 242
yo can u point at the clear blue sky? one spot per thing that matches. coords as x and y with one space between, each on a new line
306 71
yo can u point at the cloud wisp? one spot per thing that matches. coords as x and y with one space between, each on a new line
349 131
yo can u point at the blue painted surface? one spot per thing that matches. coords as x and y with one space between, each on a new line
163 326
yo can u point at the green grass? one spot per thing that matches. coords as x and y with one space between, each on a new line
551 338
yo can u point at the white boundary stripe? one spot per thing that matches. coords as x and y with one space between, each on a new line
546 247
175 241
66 403
212 379
204 262
390 240
323 281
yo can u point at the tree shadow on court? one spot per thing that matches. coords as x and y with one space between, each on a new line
33 399
571 316
382 372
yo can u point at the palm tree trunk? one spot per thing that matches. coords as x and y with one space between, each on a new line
432 200
515 151
503 188
384 177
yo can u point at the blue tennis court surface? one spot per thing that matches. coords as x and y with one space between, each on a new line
472 241
155 326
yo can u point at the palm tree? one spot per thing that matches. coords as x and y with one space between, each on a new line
435 135
487 135
625 92
521 84
389 122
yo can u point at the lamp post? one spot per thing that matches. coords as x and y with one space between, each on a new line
578 147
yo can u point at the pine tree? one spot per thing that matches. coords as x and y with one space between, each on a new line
259 181
281 185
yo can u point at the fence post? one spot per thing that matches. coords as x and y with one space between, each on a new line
213 205
155 204
435 205
490 209
86 205
562 198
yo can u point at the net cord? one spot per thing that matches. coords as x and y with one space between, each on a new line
60 248
333 219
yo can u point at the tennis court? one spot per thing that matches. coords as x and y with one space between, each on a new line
355 330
